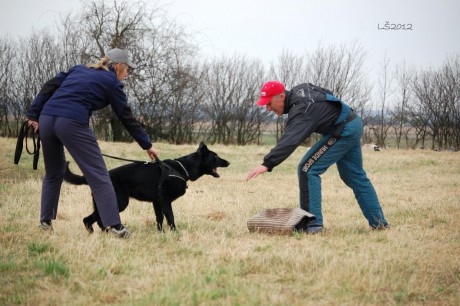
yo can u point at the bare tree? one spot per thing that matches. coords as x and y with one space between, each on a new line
382 122
232 86
249 118
291 71
338 68
159 89
119 25
434 110
341 69
167 89
418 111
176 95
122 24
75 46
453 63
400 112
451 93
38 59
7 59
429 104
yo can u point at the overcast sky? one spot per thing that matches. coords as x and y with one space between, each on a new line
262 29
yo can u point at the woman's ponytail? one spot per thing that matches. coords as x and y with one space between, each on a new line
102 64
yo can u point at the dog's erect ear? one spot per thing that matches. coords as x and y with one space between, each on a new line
202 147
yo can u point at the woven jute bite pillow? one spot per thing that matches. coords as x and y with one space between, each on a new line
281 221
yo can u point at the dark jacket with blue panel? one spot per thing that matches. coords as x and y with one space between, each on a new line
310 109
80 91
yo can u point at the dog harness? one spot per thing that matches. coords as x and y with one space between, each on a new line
166 170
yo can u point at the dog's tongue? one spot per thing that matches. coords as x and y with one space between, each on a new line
214 173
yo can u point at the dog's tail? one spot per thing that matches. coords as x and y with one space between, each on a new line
73 178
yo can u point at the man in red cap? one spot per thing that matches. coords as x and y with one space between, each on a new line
312 109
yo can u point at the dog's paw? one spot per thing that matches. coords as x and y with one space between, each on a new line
160 228
89 227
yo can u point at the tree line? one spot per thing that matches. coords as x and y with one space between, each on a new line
181 97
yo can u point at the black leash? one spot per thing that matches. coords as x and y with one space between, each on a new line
24 135
157 160
166 170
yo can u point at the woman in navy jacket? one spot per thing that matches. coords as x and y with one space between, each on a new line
62 110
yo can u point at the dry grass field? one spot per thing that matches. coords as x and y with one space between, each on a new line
214 260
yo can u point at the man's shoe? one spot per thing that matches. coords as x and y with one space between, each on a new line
380 227
119 233
46 226
313 230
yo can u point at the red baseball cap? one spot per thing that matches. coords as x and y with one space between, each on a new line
268 91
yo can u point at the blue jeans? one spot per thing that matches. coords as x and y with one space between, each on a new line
346 153
78 138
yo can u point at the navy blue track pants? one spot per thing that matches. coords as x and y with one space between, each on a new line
80 141
346 153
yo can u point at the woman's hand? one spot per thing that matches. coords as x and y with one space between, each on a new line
32 123
152 153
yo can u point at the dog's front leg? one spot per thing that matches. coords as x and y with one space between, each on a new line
158 216
96 217
167 210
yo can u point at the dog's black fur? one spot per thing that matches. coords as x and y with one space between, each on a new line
160 183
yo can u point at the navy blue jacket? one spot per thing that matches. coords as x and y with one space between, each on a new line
80 91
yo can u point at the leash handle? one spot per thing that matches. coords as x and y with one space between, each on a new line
23 136
20 143
157 159
28 128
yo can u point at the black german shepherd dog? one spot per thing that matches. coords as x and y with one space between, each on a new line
160 183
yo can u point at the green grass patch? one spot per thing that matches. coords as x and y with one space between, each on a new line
54 268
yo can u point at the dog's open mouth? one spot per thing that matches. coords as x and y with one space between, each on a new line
214 173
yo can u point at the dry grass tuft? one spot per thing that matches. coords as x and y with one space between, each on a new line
216 216
214 260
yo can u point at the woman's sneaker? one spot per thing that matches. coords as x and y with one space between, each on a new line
121 232
46 226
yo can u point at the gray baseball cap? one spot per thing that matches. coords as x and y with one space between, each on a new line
119 56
